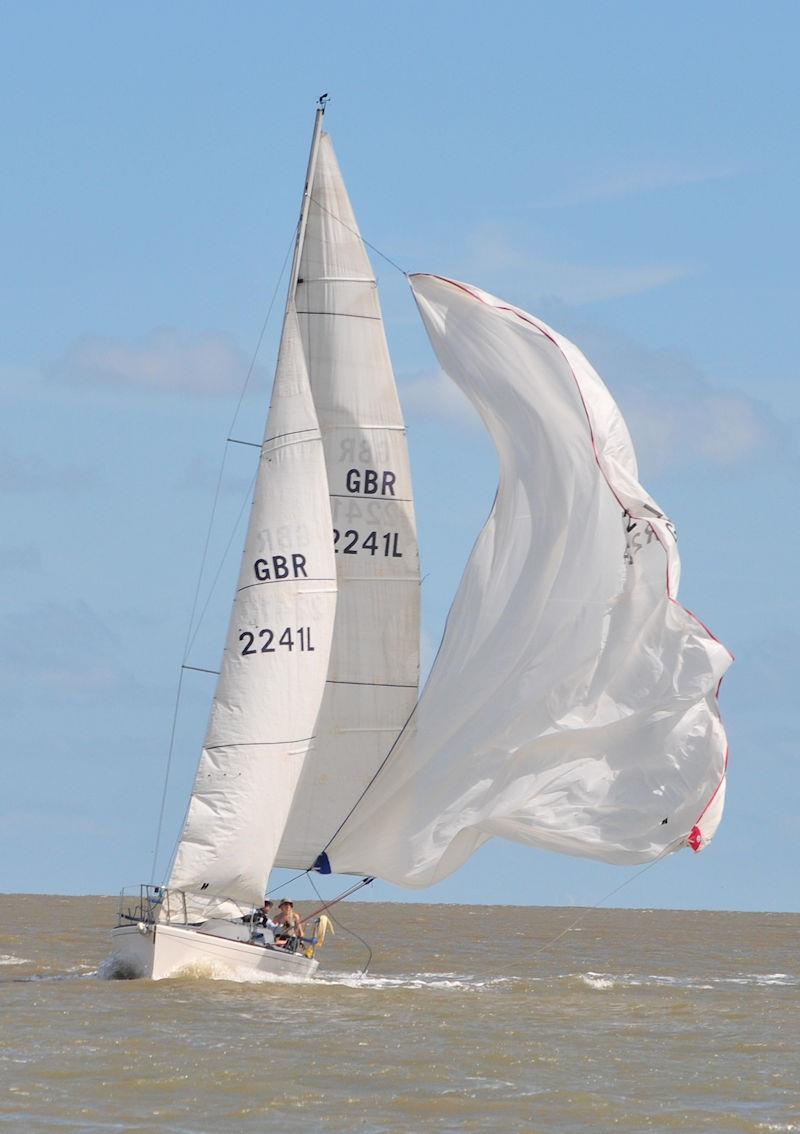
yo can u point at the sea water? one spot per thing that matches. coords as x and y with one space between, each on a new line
467 1020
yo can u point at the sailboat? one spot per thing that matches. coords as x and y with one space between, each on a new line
573 703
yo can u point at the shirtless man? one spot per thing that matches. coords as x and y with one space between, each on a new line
289 924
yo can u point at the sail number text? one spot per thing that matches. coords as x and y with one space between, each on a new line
268 641
370 482
278 567
352 543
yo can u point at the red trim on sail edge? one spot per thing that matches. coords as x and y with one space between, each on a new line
694 839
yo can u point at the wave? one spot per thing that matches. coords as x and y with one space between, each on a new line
604 981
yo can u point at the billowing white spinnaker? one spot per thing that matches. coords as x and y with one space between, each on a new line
374 670
572 705
276 657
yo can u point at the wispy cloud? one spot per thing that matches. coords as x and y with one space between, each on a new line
23 557
165 359
433 395
82 658
495 254
677 416
29 474
628 180
202 473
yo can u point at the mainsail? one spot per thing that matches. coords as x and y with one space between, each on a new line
572 705
374 668
276 657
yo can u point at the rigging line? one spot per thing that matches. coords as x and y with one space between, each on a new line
590 909
352 932
378 770
302 874
355 232
223 557
264 327
190 637
401 733
166 777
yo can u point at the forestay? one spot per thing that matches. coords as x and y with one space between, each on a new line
276 656
572 705
374 668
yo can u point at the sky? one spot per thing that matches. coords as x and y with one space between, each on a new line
627 172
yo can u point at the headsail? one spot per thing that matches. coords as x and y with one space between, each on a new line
573 704
276 657
374 670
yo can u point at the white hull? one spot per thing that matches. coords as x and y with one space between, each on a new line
166 950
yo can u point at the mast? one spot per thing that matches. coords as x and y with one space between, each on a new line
275 662
306 202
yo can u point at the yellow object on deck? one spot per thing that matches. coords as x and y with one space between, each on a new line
323 926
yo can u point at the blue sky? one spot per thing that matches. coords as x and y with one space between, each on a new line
627 172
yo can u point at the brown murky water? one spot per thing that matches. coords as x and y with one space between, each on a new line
634 1021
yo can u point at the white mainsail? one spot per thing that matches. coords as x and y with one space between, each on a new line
572 705
374 668
276 657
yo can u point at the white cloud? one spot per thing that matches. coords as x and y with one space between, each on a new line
677 417
24 557
588 186
202 473
82 656
715 428
29 474
433 395
165 359
494 254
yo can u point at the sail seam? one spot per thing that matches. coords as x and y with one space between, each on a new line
256 743
288 444
291 433
266 583
374 499
394 428
372 684
344 315
382 579
337 279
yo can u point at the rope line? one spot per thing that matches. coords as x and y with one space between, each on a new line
302 874
190 636
363 239
263 328
590 909
341 925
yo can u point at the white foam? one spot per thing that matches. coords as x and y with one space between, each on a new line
596 980
446 982
10 959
